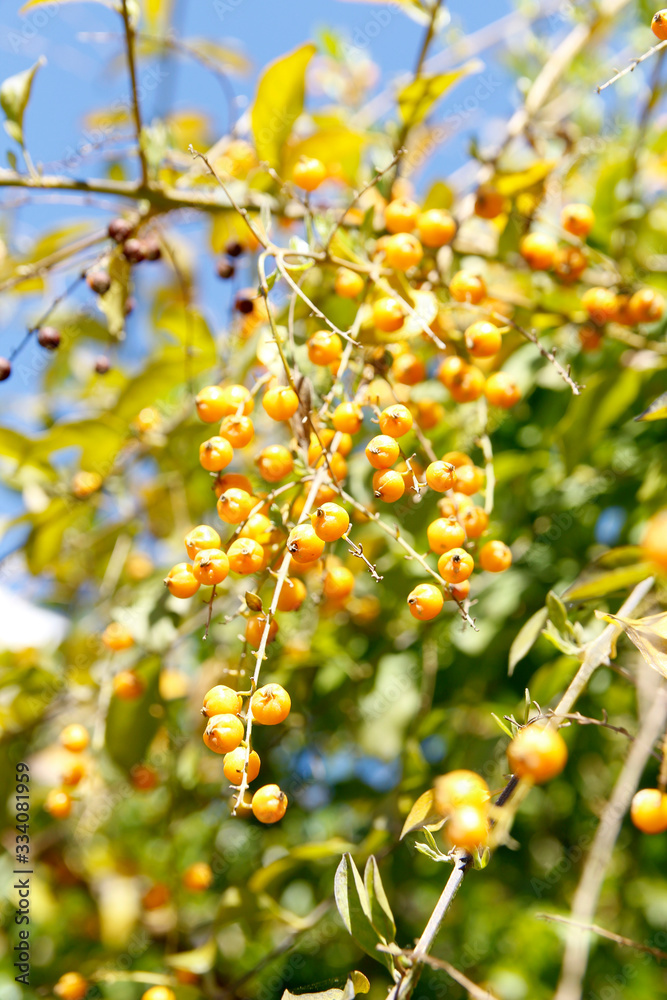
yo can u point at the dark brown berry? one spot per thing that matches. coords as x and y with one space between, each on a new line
48 337
102 364
5 369
224 268
133 250
98 281
151 248
129 305
244 303
234 249
120 230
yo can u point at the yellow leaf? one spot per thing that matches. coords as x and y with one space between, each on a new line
416 100
511 184
422 813
656 411
279 102
648 634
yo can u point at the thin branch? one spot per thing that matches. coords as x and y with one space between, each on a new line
358 195
609 935
136 110
631 67
358 551
242 211
475 991
586 897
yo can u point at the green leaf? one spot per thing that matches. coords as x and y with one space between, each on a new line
558 613
355 910
416 100
422 812
440 195
199 960
381 915
588 589
14 97
279 102
113 302
526 638
503 725
559 641
130 725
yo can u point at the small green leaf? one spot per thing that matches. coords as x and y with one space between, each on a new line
557 613
440 195
416 100
526 638
14 97
355 910
381 915
558 640
505 728
279 102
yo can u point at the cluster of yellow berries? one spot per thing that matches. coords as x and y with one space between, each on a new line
537 753
224 733
75 739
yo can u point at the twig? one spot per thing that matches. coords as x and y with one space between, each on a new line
475 991
242 211
358 551
210 613
136 110
588 891
596 929
631 67
359 194
585 720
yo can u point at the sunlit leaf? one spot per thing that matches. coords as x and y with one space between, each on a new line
512 184
422 813
14 97
381 915
279 102
199 960
356 983
417 99
338 148
648 634
355 909
526 638
657 410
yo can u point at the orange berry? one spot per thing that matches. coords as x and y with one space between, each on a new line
436 228
180 581
537 752
451 369
269 804
458 592
233 765
440 476
457 459
304 543
211 566
84 484
444 534
58 804
223 733
338 583
324 347
396 420
646 306
259 527
236 399
274 463
654 541
117 637
270 705
467 828
292 594
569 264
222 700
348 417
198 877
400 215
577 219
425 601
600 304
460 788
489 203
538 250
71 986
158 993
483 339
468 479
210 404
382 451
388 314
455 565
75 737
201 537
452 506
143 778
246 556
408 369
215 454
648 811
73 773
348 284
467 385
495 557
127 686
501 390
238 430
590 338
235 505
429 413
280 402
403 251
330 521
467 287
308 173
474 520
255 627
388 485
659 25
